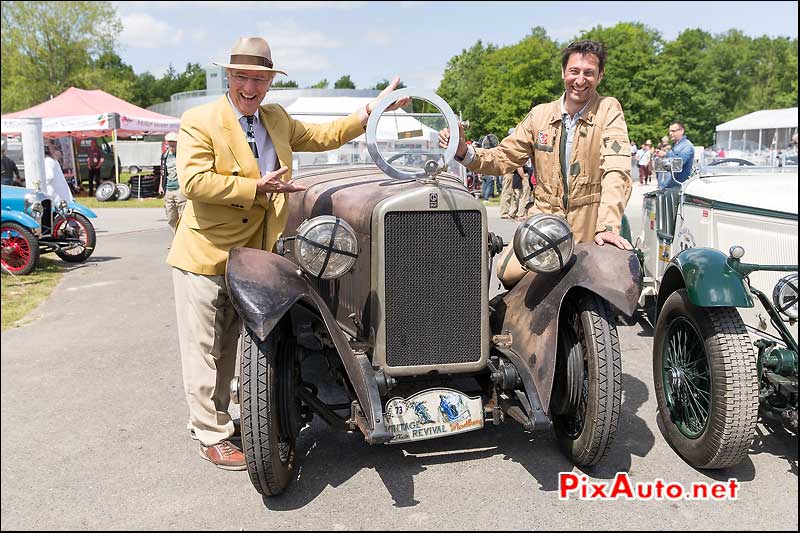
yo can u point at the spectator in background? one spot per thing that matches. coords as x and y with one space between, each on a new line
664 144
682 148
10 173
55 186
721 153
634 158
645 156
94 164
169 188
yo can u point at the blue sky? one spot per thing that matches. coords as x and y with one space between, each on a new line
371 41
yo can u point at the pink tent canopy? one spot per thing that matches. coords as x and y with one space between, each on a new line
81 113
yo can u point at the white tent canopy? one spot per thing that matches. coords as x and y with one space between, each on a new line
317 110
760 134
764 119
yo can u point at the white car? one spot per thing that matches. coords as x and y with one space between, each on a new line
751 207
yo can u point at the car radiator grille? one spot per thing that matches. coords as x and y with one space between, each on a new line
433 289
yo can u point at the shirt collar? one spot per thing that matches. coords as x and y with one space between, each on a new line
564 107
238 113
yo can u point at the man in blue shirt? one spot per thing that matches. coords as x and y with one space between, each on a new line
681 147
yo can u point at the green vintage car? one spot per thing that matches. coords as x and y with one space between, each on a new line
725 346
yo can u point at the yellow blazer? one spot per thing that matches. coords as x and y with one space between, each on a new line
218 173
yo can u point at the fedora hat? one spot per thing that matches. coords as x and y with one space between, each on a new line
171 136
251 53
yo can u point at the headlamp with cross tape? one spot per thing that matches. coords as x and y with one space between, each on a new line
543 243
326 247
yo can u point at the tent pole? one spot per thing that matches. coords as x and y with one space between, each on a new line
116 161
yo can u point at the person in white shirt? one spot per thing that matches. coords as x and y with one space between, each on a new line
55 185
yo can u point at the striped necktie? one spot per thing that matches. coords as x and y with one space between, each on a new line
251 135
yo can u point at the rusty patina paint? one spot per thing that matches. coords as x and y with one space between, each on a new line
264 286
529 311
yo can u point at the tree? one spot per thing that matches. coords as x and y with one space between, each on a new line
47 47
344 83
321 84
381 85
287 83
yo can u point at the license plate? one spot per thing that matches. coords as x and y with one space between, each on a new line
431 414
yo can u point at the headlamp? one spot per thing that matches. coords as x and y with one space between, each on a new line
543 243
326 247
784 296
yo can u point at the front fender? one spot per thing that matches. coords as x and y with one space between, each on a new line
82 209
264 286
708 278
529 311
20 218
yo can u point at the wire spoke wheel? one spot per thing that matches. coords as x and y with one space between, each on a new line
704 373
20 248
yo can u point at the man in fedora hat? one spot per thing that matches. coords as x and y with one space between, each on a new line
234 166
174 200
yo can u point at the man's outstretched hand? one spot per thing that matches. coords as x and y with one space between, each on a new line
271 182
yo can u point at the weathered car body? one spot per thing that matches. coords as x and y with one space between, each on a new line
32 225
418 348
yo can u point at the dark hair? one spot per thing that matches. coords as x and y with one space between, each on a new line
584 47
679 123
47 149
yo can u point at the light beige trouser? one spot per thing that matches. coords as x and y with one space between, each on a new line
208 332
514 202
174 202
507 201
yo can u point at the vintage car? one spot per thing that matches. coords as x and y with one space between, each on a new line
31 226
722 348
369 279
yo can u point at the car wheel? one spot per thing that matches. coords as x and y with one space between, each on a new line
587 385
123 192
271 413
706 382
106 191
20 248
75 227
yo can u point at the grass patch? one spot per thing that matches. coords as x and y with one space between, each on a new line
22 294
92 203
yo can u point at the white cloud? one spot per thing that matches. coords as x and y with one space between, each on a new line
298 48
143 31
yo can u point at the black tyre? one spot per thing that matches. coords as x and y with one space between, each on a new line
76 228
587 386
706 383
106 191
20 248
271 414
123 192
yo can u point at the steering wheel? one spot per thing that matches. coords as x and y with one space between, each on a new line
432 167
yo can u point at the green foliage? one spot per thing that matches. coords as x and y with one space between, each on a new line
321 84
344 83
381 85
698 78
47 47
287 83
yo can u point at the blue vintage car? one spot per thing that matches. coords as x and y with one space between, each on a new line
32 225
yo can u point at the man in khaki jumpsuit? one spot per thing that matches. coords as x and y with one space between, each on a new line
580 151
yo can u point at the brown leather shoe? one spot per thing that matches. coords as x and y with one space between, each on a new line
225 455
